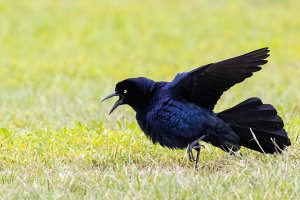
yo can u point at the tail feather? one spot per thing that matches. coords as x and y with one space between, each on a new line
264 122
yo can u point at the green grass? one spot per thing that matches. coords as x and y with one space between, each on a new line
58 59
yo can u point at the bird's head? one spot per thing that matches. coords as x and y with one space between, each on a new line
134 92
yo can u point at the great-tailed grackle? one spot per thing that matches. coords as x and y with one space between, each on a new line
178 114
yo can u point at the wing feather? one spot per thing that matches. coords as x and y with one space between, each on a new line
205 85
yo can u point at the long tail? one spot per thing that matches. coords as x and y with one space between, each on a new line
258 126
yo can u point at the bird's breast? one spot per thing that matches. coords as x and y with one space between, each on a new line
173 123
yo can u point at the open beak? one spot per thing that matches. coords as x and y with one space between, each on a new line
119 102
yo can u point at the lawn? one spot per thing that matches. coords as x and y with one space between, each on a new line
58 59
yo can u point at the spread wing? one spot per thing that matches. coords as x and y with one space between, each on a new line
205 85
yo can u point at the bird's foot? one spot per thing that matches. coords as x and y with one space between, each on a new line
190 151
195 145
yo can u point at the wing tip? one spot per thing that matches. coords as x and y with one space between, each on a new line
267 49
257 57
264 50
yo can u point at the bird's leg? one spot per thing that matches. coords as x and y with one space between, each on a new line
190 153
195 145
197 148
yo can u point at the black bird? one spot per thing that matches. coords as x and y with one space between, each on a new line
179 114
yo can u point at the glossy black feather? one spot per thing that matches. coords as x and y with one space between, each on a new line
264 122
205 85
175 114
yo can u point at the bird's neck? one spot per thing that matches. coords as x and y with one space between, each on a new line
145 101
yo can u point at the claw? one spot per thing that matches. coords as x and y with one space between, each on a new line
190 154
198 147
191 157
195 145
